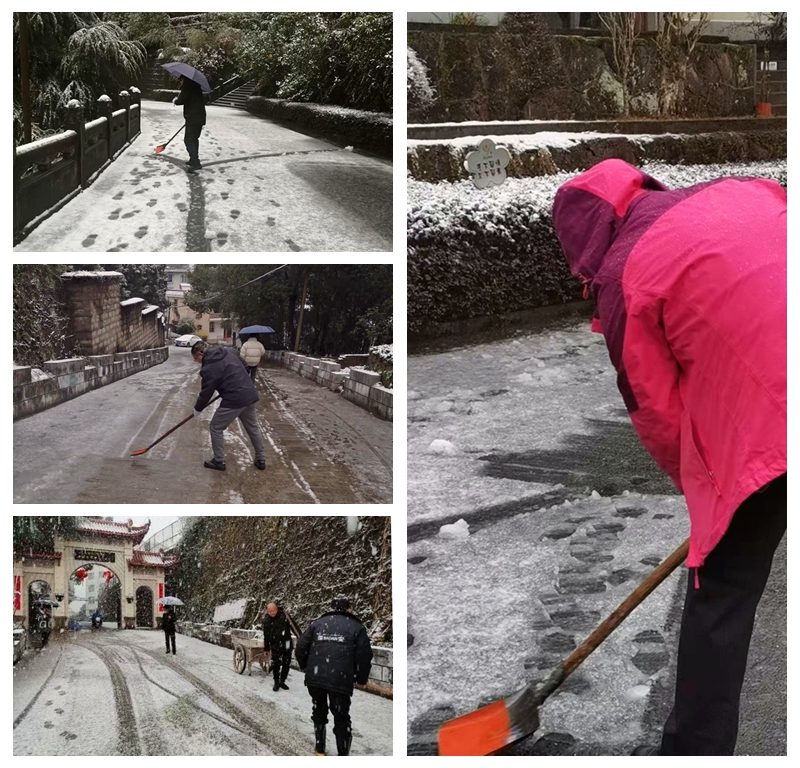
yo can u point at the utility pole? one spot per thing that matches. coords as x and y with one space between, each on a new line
302 309
25 83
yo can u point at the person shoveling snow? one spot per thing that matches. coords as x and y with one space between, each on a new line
223 370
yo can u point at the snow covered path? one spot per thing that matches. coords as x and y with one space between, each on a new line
320 447
527 442
118 693
263 187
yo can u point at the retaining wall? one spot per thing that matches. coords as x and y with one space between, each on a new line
360 386
76 376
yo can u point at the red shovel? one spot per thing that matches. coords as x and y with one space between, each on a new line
161 148
166 434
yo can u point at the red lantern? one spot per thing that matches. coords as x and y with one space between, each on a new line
80 575
108 575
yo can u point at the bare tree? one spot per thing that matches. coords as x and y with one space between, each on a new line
677 37
622 28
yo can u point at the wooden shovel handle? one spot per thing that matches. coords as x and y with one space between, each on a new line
618 615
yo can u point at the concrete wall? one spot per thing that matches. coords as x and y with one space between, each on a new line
360 386
76 376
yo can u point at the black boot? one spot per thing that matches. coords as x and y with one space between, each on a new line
214 464
319 736
343 744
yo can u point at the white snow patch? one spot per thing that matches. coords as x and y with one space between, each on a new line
596 495
235 497
444 447
37 374
457 530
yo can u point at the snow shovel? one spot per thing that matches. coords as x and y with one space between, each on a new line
169 432
490 728
161 148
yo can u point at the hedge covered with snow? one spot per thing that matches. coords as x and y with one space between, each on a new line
163 94
474 253
364 130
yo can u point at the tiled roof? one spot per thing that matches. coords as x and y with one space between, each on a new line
93 526
142 559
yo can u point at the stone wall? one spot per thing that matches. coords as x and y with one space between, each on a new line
358 385
468 74
101 323
67 379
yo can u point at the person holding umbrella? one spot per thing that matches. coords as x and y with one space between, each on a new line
193 86
168 625
251 352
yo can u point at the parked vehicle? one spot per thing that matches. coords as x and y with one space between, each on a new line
186 340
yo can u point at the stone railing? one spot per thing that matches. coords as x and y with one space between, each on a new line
48 173
358 385
70 378
229 85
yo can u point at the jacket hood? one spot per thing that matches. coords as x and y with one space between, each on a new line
213 354
589 209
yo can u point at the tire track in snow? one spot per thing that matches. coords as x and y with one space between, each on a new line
271 739
128 740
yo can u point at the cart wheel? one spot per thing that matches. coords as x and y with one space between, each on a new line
239 660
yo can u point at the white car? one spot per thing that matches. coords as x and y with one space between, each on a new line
187 340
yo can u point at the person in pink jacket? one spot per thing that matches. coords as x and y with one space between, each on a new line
690 294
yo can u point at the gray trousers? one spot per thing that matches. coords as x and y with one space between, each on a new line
224 417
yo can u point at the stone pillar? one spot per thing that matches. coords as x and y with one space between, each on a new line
136 98
74 122
128 589
104 109
125 103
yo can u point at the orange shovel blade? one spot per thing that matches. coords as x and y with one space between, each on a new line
479 733
139 452
160 148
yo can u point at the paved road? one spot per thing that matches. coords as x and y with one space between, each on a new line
526 440
263 187
320 447
118 693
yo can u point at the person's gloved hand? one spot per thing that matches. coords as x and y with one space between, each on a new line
196 413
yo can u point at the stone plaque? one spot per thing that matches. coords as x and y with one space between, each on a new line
487 164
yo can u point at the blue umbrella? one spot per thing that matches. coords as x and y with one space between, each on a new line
178 68
256 329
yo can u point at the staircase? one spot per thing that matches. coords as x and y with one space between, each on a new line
237 98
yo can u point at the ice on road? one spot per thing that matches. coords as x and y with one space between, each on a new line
263 187
118 693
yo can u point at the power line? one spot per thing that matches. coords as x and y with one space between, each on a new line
244 285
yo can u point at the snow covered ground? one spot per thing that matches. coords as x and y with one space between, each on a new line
526 442
118 693
263 187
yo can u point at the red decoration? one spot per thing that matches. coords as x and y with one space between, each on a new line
17 593
160 595
80 575
108 575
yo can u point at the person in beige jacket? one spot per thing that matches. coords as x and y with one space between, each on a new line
251 353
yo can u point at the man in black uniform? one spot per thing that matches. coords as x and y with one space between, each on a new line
168 625
194 112
221 369
278 641
334 652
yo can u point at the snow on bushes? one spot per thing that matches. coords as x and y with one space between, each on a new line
365 130
474 253
419 91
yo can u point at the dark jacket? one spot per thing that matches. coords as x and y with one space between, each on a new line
168 623
277 633
223 370
334 652
194 103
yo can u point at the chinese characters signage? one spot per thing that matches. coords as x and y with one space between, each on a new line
487 164
94 556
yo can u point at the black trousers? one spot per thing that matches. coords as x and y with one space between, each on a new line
337 703
191 139
167 639
281 661
717 625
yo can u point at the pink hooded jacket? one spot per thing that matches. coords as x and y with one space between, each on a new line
690 290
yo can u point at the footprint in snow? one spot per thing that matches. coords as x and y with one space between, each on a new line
131 214
235 214
156 183
119 196
115 214
293 246
181 207
270 221
256 189
275 203
160 215
151 203
230 181
225 195
141 232
89 241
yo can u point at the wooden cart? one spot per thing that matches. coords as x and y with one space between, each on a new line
248 647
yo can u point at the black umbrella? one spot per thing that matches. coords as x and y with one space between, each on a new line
178 68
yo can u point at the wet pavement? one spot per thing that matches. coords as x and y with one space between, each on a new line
320 447
527 442
118 693
263 187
